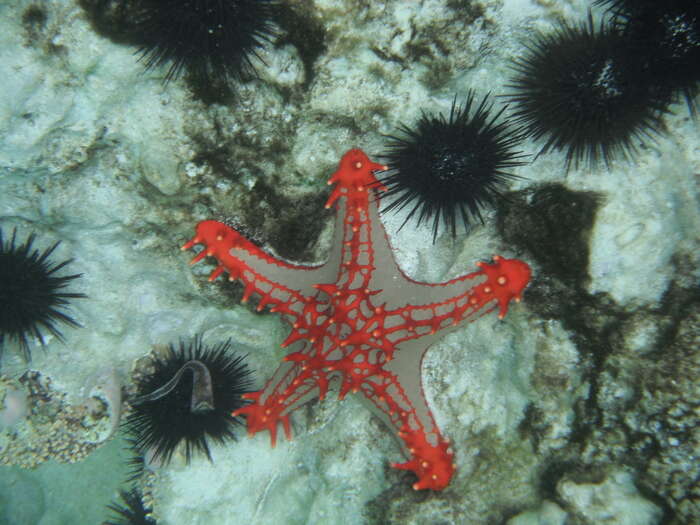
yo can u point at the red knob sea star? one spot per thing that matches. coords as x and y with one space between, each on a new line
358 321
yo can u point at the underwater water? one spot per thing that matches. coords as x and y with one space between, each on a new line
548 374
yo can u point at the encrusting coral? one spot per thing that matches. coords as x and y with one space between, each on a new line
357 321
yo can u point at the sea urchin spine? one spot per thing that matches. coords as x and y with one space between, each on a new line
132 511
31 294
188 398
211 39
588 92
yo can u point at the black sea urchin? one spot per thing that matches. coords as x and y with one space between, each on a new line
132 512
451 166
667 36
188 398
213 40
588 92
31 294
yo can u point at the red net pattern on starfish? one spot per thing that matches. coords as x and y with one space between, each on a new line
358 323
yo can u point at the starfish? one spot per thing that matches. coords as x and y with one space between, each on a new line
357 322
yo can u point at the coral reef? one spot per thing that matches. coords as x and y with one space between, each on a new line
584 393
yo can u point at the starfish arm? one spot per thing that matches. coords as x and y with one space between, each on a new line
302 376
431 308
354 195
260 273
272 405
402 406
